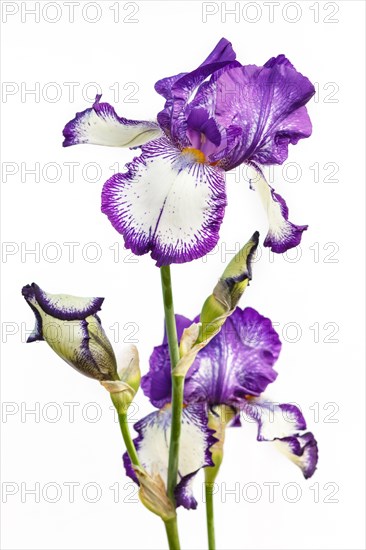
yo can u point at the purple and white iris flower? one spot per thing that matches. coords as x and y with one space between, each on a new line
171 200
234 369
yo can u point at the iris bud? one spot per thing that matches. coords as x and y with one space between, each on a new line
218 306
228 291
72 328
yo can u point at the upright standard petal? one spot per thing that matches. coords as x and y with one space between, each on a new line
100 125
157 383
268 104
152 446
282 234
222 52
169 203
178 89
236 363
72 328
282 424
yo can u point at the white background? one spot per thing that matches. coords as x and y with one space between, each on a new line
322 286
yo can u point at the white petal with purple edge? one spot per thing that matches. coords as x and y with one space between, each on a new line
281 424
282 234
301 450
167 203
152 446
100 125
274 420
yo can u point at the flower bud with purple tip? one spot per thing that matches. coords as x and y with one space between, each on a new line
72 328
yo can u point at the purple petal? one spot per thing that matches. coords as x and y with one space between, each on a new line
279 60
282 234
236 363
198 122
100 125
164 86
222 52
295 126
167 204
157 383
182 90
152 446
268 104
178 89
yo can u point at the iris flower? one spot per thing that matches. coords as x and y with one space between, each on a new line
234 370
171 201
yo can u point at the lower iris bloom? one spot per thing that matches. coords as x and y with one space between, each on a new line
234 369
171 200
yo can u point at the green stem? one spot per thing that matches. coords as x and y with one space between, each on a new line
177 406
123 422
209 492
171 328
177 381
171 529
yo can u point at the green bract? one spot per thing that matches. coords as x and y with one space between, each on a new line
124 389
228 291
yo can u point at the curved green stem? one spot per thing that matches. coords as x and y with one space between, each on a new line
177 381
123 422
209 492
171 529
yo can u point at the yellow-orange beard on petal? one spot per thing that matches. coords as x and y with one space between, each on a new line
249 397
196 154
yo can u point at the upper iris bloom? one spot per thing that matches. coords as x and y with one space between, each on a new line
72 328
233 370
172 199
